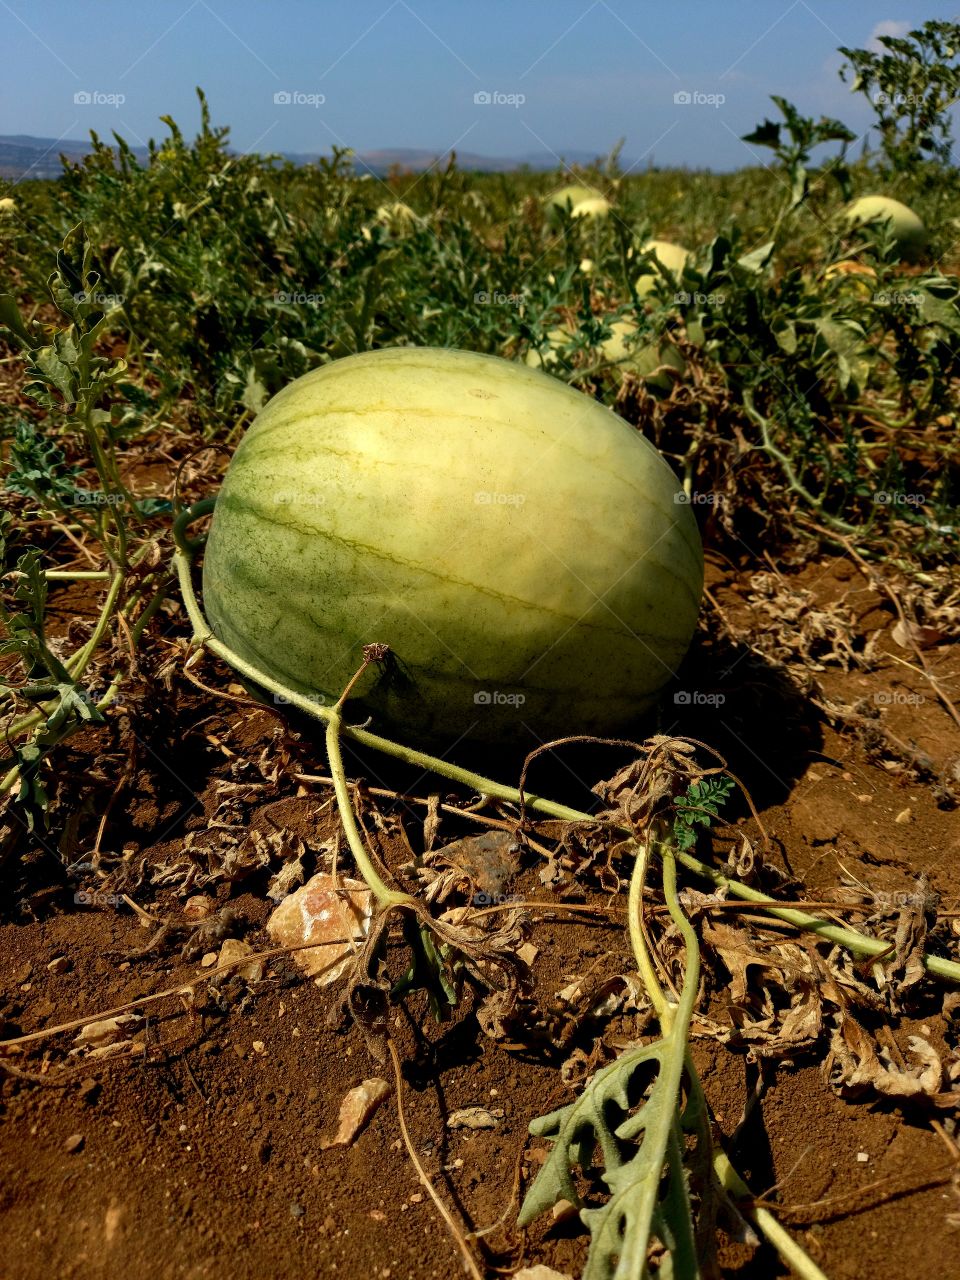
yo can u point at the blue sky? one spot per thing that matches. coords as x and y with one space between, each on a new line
562 75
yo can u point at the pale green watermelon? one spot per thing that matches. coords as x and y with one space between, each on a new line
520 548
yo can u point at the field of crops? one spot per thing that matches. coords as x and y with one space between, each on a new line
353 966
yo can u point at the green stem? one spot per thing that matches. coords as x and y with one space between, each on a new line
861 944
385 896
76 664
793 481
10 778
638 942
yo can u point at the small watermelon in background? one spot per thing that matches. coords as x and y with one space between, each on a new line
525 553
908 231
568 198
651 362
671 256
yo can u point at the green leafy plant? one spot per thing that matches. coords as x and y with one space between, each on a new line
793 142
911 84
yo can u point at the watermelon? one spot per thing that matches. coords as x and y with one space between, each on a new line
672 256
525 553
566 198
648 361
908 231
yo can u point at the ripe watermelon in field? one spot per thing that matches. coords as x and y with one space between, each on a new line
525 553
907 229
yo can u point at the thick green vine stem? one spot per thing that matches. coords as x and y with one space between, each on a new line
670 1014
858 943
384 895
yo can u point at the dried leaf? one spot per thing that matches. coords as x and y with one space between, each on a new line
911 635
431 823
857 1067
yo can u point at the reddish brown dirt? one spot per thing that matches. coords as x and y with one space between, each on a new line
200 1155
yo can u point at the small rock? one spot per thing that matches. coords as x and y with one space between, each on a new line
333 915
235 949
528 953
74 1144
208 960
89 1089
297 1210
59 964
199 907
564 1210
108 1030
259 1046
862 1157
904 816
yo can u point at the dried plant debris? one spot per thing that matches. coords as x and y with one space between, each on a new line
789 996
857 1066
476 869
931 603
790 626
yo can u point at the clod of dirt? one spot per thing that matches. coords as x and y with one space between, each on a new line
357 1107
474 1118
332 916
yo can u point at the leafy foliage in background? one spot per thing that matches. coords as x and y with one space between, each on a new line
911 86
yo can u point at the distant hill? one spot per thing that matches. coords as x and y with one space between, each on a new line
23 156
